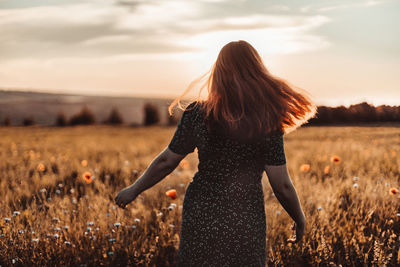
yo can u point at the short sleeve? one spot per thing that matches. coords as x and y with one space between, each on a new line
183 141
274 151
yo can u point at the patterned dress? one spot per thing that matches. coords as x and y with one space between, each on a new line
223 216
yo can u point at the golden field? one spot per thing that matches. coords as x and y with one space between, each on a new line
57 189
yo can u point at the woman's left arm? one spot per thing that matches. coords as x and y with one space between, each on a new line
158 169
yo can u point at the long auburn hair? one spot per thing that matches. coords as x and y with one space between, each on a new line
243 94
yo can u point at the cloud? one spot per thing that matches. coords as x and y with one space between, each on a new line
352 4
104 28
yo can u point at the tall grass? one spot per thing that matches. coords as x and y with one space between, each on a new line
51 215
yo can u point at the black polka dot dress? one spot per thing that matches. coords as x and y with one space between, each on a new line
223 216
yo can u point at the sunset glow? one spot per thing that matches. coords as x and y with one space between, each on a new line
340 52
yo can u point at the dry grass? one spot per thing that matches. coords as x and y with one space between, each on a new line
50 215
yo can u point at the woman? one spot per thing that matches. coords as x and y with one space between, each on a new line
238 131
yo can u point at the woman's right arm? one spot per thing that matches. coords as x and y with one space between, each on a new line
285 192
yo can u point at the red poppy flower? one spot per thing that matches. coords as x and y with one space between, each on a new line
171 193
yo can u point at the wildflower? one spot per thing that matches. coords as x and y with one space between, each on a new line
110 253
355 185
182 185
327 169
335 159
15 213
398 214
57 229
74 201
60 185
43 190
41 167
305 167
56 236
35 240
72 191
137 220
393 191
90 223
387 184
172 226
66 227
319 208
87 177
171 193
89 229
117 224
97 229
55 219
58 192
111 240
84 163
133 226
184 164
20 231
159 214
278 212
67 243
355 178
171 206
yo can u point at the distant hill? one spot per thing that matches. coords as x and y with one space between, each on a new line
44 107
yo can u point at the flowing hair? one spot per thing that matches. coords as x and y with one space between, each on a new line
243 94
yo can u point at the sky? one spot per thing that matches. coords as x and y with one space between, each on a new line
340 52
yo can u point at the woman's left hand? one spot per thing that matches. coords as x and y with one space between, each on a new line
125 196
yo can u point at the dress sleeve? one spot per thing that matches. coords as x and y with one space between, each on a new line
183 141
274 151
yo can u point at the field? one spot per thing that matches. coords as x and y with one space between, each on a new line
346 178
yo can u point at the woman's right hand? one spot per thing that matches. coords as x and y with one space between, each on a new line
300 228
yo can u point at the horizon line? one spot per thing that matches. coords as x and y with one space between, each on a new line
165 96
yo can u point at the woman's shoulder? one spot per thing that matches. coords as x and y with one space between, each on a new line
193 105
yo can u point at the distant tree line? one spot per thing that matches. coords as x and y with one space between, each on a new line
86 117
357 113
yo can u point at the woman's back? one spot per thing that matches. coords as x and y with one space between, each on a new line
223 219
225 156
